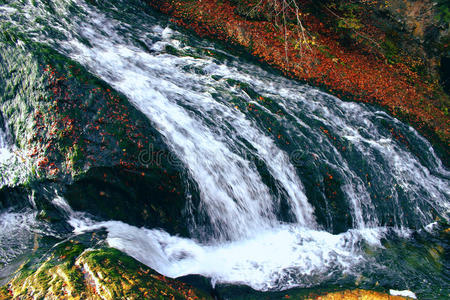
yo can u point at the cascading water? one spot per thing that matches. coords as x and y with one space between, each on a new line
19 227
257 145
3 143
4 147
12 164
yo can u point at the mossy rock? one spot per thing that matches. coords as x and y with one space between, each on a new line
65 117
74 270
71 270
356 295
78 132
314 293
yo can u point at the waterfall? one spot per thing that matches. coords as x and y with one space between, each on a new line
3 143
193 111
236 127
5 147
233 194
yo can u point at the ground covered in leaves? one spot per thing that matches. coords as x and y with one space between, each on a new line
344 51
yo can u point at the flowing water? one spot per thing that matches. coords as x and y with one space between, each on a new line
4 145
294 184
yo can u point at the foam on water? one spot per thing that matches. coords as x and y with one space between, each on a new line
280 258
5 152
404 293
18 233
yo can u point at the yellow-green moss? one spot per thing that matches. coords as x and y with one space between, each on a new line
71 271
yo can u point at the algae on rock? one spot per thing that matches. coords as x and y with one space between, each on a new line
71 128
71 270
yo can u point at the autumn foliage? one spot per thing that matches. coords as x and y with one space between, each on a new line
80 123
357 72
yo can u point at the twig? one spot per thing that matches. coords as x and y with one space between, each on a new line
282 8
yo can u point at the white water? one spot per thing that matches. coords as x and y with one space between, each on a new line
279 258
14 166
14 230
250 244
19 232
233 195
405 293
5 153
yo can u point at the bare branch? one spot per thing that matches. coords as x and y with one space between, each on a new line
282 10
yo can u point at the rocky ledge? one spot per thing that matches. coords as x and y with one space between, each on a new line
74 132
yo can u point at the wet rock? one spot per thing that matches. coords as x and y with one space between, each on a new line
74 130
139 197
71 270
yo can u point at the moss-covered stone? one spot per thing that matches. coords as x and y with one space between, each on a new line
356 295
72 128
73 271
317 293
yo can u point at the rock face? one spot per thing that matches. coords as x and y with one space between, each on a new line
422 29
70 128
72 271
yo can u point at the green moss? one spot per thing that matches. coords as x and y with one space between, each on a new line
75 156
105 273
136 280
172 50
443 7
4 293
391 51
